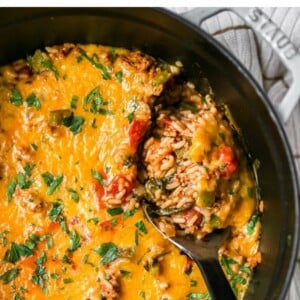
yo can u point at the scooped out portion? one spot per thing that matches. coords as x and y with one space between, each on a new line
199 178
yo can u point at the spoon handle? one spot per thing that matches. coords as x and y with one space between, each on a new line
218 286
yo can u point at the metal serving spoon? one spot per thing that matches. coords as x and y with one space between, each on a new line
204 253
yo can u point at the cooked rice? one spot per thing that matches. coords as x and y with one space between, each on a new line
174 177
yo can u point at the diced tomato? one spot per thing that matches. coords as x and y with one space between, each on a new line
99 191
75 220
227 160
29 262
168 123
106 225
191 214
188 266
137 131
53 226
118 184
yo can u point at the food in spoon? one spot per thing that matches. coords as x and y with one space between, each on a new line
199 178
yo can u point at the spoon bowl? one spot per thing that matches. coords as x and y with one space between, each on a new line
205 254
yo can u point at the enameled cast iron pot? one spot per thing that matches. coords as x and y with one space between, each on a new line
171 38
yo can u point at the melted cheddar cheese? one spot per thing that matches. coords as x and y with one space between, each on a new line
69 132
73 119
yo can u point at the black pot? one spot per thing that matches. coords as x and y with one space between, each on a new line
169 37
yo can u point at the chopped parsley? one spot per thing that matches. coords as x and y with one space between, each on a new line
86 261
250 192
142 294
113 222
95 95
234 280
203 99
96 175
3 237
18 297
23 183
113 55
108 252
222 136
49 65
33 101
74 101
94 125
238 279
204 296
130 117
252 223
223 166
45 236
28 168
74 241
93 220
214 220
141 226
107 169
226 262
74 195
115 211
105 74
9 275
60 117
63 225
34 146
49 243
54 276
16 98
65 259
245 269
79 58
11 189
15 252
95 103
40 276
119 76
67 280
188 106
51 182
55 213
32 241
193 283
48 178
74 123
136 237
132 109
129 213
125 273
40 62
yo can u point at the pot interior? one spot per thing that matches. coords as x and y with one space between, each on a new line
155 32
